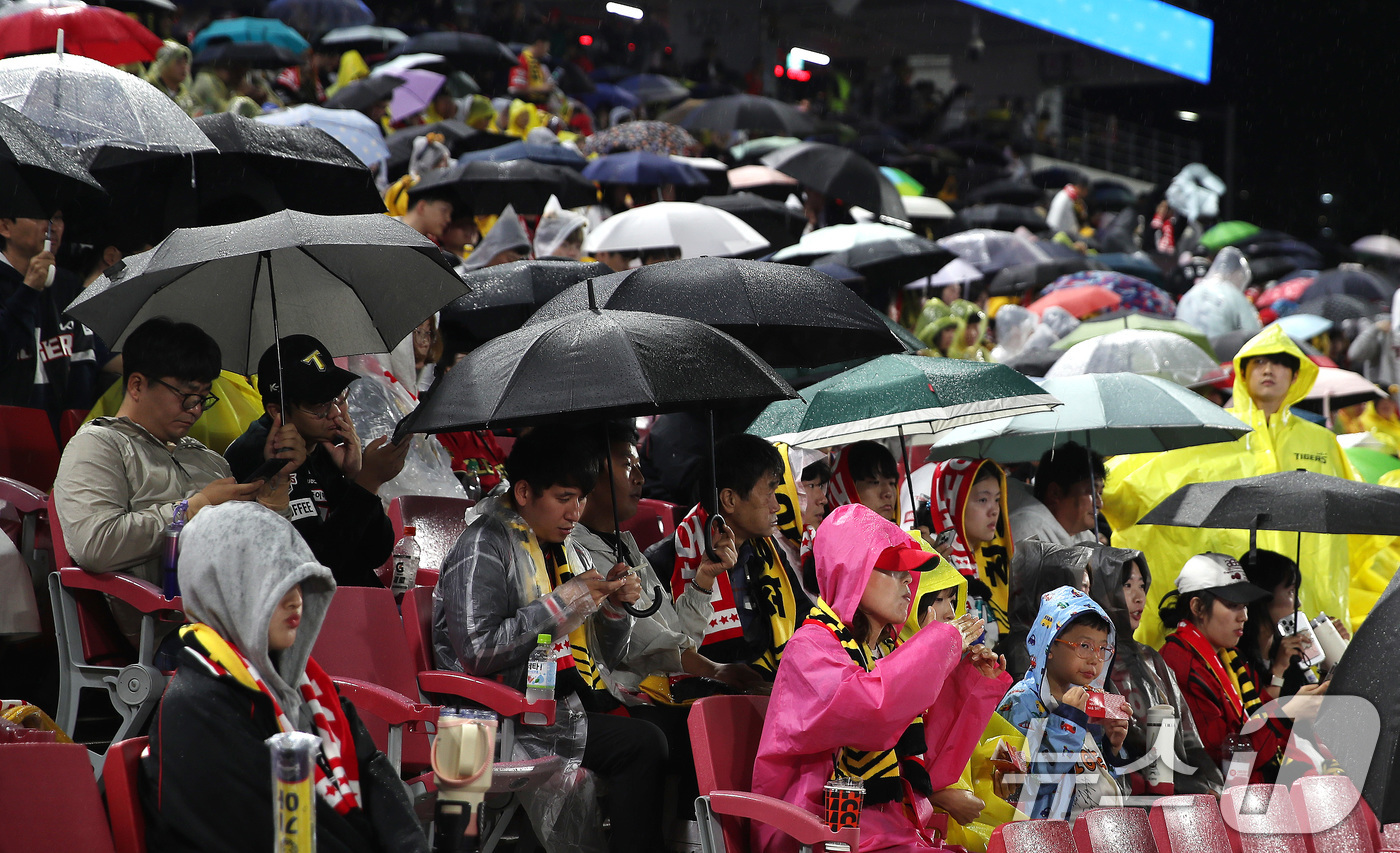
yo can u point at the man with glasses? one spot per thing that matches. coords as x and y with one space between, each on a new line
122 478
334 501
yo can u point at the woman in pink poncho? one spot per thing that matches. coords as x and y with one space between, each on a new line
851 700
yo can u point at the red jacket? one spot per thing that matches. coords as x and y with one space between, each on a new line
1215 715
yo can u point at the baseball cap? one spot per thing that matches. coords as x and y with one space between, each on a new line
308 372
905 558
1219 574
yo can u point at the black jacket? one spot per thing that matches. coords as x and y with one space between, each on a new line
344 523
68 353
208 778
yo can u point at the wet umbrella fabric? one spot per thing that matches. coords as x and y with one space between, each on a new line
696 229
1137 294
96 32
486 187
658 137
365 93
250 30
316 16
595 365
1353 281
501 298
1379 245
838 173
464 50
80 101
751 113
37 175
364 38
1020 278
643 168
1301 501
779 224
1138 321
1149 353
317 275
992 251
1001 217
1079 301
553 155
650 88
892 262
354 130
777 310
300 168
1007 192
840 238
257 55
461 140
1111 413
900 394
417 92
1338 307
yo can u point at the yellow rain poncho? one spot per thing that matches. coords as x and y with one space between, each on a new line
933 319
352 68
1386 430
1374 561
1284 442
239 405
967 311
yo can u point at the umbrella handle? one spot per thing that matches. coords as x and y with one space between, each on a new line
712 529
655 605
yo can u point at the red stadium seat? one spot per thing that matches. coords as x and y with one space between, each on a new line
28 449
121 776
49 799
1188 823
1032 836
654 521
68 423
438 521
1113 830
1260 819
1334 816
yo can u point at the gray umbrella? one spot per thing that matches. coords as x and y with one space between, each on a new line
80 101
357 283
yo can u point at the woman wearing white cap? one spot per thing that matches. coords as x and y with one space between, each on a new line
1208 608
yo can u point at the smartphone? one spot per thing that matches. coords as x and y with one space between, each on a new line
944 538
265 471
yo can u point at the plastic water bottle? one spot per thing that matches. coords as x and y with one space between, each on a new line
170 552
540 672
405 562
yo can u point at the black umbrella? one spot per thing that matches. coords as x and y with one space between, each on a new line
465 50
751 113
791 316
364 93
456 135
1338 307
1056 177
779 224
501 298
486 186
249 54
1300 501
38 176
251 283
134 216
1021 278
1006 192
278 167
1035 362
1001 217
892 262
840 174
1354 281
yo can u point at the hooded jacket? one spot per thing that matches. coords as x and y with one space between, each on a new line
1037 568
1068 773
1216 304
935 317
206 776
1285 442
1140 674
989 563
507 233
823 701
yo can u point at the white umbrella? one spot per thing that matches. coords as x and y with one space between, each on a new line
696 228
1381 245
18 6
1165 355
83 102
407 61
923 207
840 238
957 271
353 129
744 177
364 32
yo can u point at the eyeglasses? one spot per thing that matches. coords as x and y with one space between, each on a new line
1088 651
189 402
322 412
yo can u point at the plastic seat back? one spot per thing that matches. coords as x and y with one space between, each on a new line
362 638
1334 816
102 641
68 424
654 521
418 627
1188 823
1113 830
724 735
1260 819
1032 836
28 447
49 799
437 522
121 776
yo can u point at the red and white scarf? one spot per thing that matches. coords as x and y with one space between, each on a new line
1190 636
338 774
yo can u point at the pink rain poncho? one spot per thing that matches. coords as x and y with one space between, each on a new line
823 700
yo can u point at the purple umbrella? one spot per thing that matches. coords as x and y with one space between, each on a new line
415 94
1135 293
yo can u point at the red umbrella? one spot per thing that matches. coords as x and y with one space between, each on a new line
97 32
1080 301
1292 290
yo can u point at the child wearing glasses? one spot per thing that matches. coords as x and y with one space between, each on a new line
1071 650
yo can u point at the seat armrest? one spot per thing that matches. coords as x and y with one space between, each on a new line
388 705
22 496
803 826
506 701
143 596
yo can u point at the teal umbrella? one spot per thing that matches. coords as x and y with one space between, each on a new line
898 395
1111 413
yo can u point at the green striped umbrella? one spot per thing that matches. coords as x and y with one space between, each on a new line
902 180
896 395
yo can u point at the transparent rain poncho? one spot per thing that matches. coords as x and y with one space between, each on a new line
1055 323
1196 192
1216 304
556 226
1014 326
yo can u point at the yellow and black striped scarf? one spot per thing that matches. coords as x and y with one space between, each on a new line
884 772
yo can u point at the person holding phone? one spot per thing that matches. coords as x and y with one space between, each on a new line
334 500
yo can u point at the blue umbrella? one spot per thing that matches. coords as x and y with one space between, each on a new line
654 87
266 30
555 155
610 95
317 16
643 168
354 130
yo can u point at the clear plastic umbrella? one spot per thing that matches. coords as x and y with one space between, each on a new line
1147 353
696 228
992 251
83 102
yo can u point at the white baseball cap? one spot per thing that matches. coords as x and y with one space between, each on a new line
1219 574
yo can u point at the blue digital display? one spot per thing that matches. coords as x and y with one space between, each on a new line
1147 31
